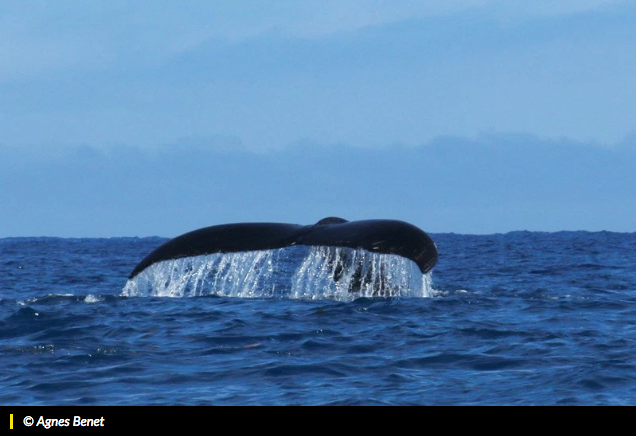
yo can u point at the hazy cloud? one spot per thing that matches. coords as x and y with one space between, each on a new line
241 81
489 184
149 75
38 36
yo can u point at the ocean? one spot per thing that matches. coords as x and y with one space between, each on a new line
522 318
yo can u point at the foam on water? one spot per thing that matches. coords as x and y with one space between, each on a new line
92 299
294 272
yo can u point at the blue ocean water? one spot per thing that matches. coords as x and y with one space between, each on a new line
515 319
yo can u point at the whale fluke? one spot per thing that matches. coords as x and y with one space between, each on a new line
377 236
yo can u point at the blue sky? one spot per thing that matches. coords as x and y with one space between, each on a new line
300 110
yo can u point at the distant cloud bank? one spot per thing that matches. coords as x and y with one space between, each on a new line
489 184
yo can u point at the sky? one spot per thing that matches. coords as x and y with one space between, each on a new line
479 116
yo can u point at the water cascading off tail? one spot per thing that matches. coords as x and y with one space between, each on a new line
298 272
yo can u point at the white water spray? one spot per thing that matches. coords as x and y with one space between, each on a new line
297 272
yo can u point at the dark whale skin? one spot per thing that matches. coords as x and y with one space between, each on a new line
377 236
